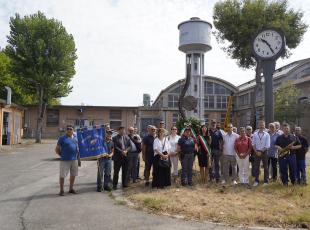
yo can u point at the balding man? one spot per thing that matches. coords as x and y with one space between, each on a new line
133 155
301 157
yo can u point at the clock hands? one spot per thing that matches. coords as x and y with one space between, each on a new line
263 40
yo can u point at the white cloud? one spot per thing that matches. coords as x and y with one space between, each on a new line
130 47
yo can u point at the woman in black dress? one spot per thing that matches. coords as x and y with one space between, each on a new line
204 153
161 170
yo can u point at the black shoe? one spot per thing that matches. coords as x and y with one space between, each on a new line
114 187
99 189
61 193
183 183
125 186
147 184
191 184
72 191
107 189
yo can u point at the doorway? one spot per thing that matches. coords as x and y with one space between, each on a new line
7 124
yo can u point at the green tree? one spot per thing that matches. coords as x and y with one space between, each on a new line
287 107
8 79
237 21
43 57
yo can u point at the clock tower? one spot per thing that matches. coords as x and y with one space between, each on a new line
267 46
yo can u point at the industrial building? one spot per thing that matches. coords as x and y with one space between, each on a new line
210 94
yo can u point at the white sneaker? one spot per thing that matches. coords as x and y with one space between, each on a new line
265 184
234 182
255 184
223 182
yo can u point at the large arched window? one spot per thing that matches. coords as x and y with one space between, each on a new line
216 95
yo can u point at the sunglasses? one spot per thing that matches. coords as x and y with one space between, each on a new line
69 129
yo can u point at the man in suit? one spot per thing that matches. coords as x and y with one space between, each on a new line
122 147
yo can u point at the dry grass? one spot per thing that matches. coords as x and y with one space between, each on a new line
272 205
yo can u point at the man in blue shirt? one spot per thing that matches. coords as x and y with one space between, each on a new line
67 149
105 164
287 144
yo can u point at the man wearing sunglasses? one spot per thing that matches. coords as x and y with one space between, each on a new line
67 149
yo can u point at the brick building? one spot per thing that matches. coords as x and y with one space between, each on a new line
57 117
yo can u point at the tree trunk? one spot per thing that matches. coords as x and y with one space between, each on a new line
258 85
41 112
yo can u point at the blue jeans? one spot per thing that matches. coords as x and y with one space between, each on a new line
215 162
187 168
285 163
301 171
104 171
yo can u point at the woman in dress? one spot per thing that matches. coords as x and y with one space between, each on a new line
204 153
173 140
161 164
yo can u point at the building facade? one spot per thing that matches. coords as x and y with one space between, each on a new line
216 92
58 117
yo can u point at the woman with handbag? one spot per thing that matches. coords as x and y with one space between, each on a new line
161 164
174 158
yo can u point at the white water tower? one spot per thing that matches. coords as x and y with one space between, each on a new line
195 41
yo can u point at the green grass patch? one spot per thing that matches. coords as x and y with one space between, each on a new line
120 202
154 203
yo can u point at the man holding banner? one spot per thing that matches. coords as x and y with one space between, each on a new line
122 146
105 164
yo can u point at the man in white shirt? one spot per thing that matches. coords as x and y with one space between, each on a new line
229 155
261 142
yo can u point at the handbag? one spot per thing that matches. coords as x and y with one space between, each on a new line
164 163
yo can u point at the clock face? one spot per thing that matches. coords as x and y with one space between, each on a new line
268 44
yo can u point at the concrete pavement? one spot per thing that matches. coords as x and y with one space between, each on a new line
29 200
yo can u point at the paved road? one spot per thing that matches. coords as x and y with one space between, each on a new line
28 200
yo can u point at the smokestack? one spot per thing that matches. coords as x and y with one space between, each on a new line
8 95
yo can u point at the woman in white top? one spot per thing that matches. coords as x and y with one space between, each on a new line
161 163
173 140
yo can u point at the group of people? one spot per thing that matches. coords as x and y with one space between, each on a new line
221 155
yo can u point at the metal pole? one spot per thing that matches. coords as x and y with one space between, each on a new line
268 70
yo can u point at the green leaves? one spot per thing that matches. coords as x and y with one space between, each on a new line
42 53
237 21
7 78
287 108
191 121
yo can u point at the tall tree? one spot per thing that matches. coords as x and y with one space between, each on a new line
237 21
8 79
43 56
287 107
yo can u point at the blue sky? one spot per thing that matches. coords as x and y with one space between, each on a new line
129 47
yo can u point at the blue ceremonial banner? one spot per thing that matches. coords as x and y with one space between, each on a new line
91 144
